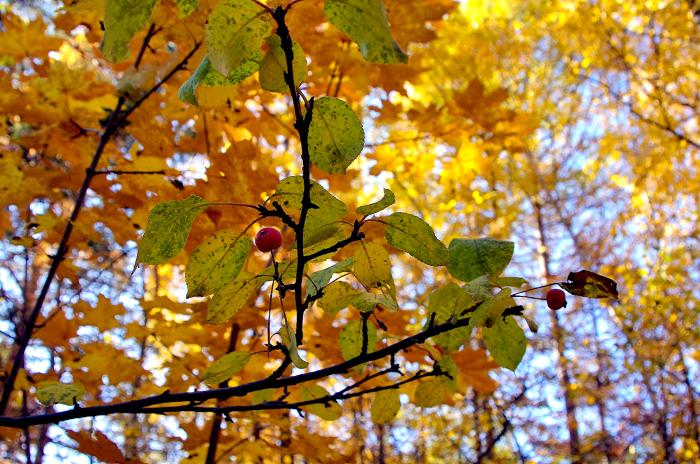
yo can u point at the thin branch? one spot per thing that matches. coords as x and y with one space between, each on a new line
144 405
116 119
123 172
144 45
301 124
355 235
272 405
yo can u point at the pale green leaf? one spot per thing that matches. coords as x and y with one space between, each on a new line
491 309
205 78
448 366
385 406
447 303
289 340
513 282
337 296
289 195
329 411
262 396
185 7
336 136
320 279
387 200
225 367
471 258
317 238
366 22
168 227
51 392
123 19
230 298
432 392
235 32
414 236
479 288
274 65
351 339
215 262
373 268
505 340
366 302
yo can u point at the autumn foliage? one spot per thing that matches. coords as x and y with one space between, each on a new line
316 231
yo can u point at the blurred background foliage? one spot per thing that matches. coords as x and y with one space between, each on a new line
567 126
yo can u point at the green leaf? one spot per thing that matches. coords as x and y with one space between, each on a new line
337 296
491 310
168 227
289 339
385 406
472 258
432 392
324 236
262 396
513 282
414 236
366 22
366 302
199 85
287 270
505 341
387 200
235 32
225 367
448 366
123 19
590 285
215 262
351 339
447 303
274 66
52 392
373 268
336 136
321 278
185 7
329 411
479 288
289 195
229 299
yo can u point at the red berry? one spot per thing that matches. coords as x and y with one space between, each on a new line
556 299
268 239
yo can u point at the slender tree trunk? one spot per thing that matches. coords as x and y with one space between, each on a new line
477 422
601 384
557 334
215 432
358 431
381 459
694 431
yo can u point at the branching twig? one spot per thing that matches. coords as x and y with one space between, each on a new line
145 405
116 119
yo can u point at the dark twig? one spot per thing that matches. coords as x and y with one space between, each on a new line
144 45
116 119
301 124
215 432
144 405
123 172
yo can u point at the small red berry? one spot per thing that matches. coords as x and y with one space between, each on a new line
556 299
268 239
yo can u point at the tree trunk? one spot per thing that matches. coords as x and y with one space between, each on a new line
557 334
